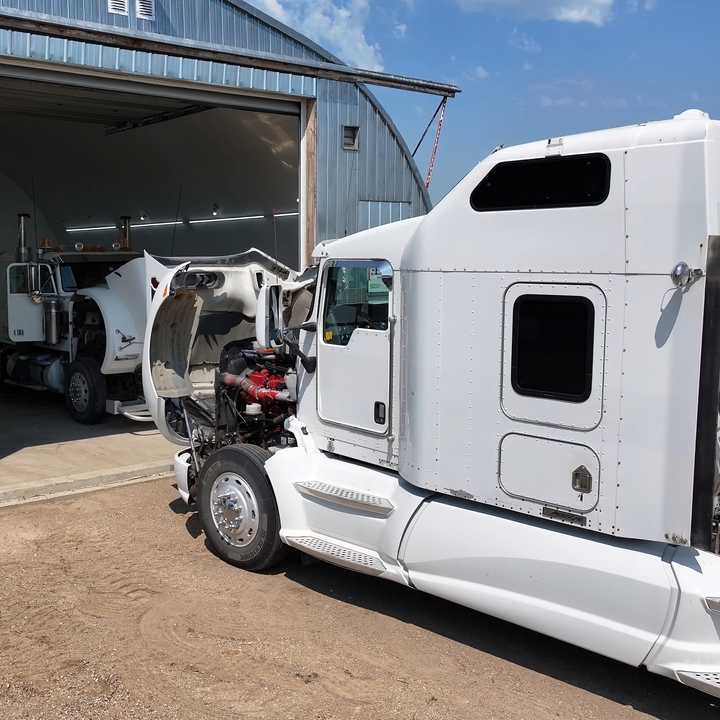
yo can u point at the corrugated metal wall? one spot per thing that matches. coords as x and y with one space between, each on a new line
363 188
355 189
218 22
34 46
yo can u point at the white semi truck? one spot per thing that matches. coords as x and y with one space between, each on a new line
511 403
73 322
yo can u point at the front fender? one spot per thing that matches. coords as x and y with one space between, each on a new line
123 347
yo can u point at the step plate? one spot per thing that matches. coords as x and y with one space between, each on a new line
344 496
707 682
337 555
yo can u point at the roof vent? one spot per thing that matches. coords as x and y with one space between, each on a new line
145 9
118 7
692 115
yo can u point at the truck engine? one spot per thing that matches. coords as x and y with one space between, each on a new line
254 393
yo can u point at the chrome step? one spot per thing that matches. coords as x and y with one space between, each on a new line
344 496
338 555
134 411
708 682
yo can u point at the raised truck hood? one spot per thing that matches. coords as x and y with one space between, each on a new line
200 306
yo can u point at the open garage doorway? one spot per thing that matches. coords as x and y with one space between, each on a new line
199 173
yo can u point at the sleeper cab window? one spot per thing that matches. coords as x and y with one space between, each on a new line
552 347
357 296
551 182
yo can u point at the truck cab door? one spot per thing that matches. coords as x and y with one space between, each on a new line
354 345
25 310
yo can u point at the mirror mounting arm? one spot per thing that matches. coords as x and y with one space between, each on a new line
309 363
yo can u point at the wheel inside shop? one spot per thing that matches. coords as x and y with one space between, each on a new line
85 391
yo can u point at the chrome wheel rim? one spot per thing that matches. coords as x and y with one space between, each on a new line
79 391
235 510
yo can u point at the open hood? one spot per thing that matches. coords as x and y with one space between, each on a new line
200 306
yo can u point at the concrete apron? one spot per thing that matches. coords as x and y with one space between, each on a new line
43 452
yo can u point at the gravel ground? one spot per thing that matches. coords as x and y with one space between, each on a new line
112 606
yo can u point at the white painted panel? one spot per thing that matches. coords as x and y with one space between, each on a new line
694 639
666 207
658 418
549 240
538 469
351 379
25 317
611 597
547 411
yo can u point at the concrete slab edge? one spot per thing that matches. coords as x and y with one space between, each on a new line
94 479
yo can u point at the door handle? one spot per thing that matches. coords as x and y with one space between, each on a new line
380 413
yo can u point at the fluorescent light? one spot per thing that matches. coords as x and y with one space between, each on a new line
229 219
115 227
180 222
90 229
242 217
157 224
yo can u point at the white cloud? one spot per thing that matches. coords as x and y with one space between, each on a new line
338 25
546 101
523 42
399 30
481 72
597 12
633 5
694 97
561 84
527 66
613 102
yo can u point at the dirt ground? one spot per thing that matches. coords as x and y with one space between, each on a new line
111 606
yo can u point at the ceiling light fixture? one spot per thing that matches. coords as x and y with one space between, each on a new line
135 226
230 219
241 217
157 224
90 229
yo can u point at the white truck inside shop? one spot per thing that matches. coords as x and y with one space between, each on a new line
73 322
511 403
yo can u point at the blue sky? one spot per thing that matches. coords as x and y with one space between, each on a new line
528 69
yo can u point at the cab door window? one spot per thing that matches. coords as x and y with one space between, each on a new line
356 297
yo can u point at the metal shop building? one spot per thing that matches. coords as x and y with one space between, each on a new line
212 125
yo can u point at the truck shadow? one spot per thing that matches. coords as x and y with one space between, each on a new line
32 418
656 696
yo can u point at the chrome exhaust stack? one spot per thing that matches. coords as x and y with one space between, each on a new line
23 254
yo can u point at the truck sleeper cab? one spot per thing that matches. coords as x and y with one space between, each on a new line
510 403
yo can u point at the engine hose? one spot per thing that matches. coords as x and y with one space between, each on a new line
254 391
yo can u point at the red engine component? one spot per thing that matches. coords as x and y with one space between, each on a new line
261 385
267 379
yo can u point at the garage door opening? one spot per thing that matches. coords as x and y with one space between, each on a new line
197 178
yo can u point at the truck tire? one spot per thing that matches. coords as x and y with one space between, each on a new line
85 391
237 508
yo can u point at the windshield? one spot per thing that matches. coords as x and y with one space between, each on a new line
79 276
